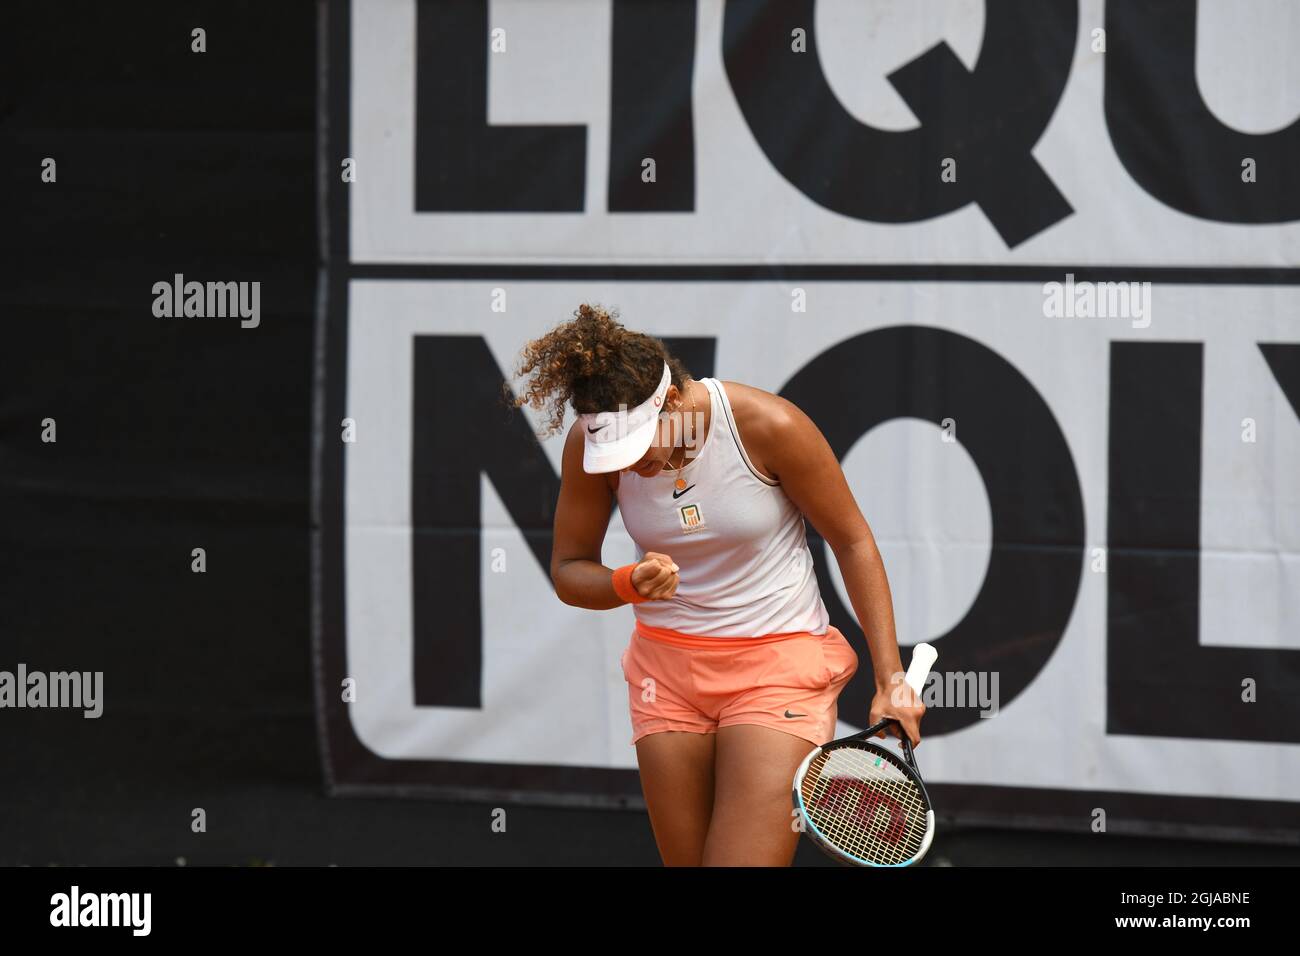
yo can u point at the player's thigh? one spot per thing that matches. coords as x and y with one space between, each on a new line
677 780
753 823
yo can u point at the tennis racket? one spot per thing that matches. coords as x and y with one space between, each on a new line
860 802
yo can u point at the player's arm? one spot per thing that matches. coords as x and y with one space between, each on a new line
797 454
581 520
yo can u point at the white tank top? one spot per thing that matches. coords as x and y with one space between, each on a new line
744 568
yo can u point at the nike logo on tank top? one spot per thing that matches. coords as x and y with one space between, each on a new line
744 568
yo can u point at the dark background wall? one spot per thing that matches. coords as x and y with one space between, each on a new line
172 433
182 433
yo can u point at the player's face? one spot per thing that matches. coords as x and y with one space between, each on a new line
653 461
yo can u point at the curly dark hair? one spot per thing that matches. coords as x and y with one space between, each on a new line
594 364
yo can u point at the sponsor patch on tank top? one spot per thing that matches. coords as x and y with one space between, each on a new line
691 517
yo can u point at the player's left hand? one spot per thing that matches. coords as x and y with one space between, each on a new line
899 701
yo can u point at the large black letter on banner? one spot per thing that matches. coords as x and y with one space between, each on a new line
651 116
1160 680
461 163
987 120
460 431
1167 138
1027 596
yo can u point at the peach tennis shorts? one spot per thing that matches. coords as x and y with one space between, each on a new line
789 682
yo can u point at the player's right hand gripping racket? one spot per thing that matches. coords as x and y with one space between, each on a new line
861 803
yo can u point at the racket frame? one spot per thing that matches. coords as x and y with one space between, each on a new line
909 767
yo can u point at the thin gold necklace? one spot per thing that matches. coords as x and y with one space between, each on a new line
681 482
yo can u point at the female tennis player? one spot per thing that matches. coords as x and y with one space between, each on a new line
733 669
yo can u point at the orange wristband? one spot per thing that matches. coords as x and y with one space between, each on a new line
623 585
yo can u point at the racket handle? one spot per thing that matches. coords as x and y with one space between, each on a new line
923 658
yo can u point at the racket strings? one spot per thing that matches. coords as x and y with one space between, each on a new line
865 805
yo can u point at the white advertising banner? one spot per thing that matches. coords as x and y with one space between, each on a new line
1035 278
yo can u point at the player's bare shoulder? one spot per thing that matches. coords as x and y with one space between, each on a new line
759 410
574 445
762 418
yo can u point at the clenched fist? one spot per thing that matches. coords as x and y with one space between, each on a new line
655 576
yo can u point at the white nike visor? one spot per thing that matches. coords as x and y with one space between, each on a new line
616 440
